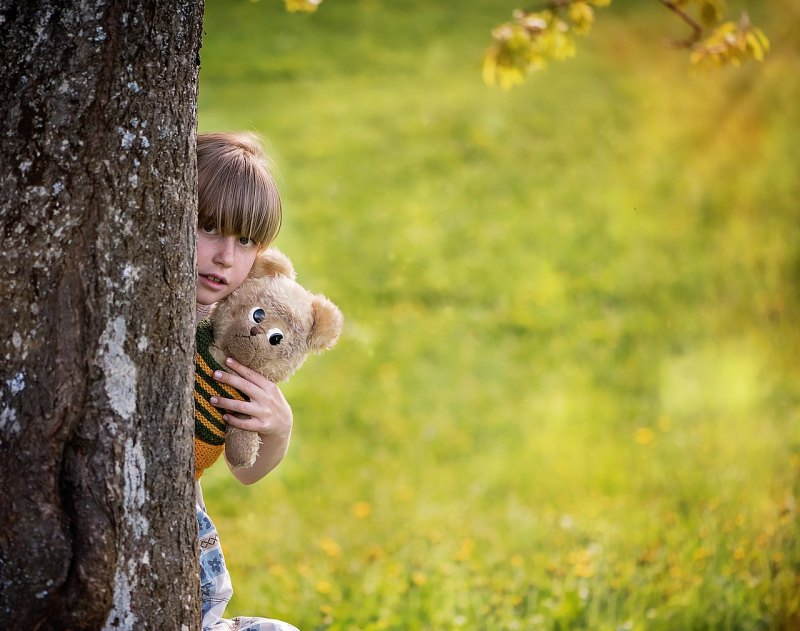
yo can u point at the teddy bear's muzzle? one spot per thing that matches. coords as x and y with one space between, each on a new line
274 335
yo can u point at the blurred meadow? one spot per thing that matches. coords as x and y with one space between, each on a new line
567 395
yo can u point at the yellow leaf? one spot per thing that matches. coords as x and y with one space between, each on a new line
490 67
582 15
306 6
509 77
755 46
762 39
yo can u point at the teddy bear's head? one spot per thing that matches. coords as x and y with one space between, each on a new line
270 323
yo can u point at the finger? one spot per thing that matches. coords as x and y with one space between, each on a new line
248 424
234 405
244 371
248 387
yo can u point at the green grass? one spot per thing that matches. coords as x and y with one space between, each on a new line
567 391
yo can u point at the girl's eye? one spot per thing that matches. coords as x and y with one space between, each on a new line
209 229
246 241
275 336
257 315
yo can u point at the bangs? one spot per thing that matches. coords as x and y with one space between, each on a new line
238 196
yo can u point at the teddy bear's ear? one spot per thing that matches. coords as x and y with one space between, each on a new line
272 262
327 324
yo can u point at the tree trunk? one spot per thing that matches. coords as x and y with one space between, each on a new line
97 235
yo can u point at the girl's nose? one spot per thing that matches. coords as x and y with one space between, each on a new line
223 255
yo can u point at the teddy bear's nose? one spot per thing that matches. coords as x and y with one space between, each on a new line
255 331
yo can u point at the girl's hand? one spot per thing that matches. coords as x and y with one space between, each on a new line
267 413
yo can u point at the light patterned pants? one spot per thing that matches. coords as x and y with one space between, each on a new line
215 581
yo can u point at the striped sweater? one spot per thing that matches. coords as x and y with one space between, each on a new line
209 426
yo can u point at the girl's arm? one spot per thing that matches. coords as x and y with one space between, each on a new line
269 415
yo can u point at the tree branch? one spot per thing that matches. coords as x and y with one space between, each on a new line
554 5
697 30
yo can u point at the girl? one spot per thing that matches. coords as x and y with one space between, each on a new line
239 214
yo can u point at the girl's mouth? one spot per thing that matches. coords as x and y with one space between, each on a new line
213 281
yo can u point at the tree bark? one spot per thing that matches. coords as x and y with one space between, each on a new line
97 237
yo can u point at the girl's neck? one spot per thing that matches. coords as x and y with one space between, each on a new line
203 311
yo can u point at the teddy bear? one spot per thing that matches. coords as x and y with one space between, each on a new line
271 324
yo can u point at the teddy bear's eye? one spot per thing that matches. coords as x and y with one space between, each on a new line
257 315
275 336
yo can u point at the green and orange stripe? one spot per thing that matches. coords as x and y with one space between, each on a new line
209 426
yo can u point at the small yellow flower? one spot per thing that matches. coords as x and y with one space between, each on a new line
582 562
375 553
466 549
324 587
739 554
701 554
648 556
644 436
517 561
362 510
404 493
418 578
330 547
479 580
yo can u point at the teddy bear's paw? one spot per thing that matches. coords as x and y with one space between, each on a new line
241 447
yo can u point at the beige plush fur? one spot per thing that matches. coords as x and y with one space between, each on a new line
307 322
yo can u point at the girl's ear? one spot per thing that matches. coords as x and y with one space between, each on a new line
327 324
272 262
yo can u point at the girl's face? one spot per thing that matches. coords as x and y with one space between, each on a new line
223 262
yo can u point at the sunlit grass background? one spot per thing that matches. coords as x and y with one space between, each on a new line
567 394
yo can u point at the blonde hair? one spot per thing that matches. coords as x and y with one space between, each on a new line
235 188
